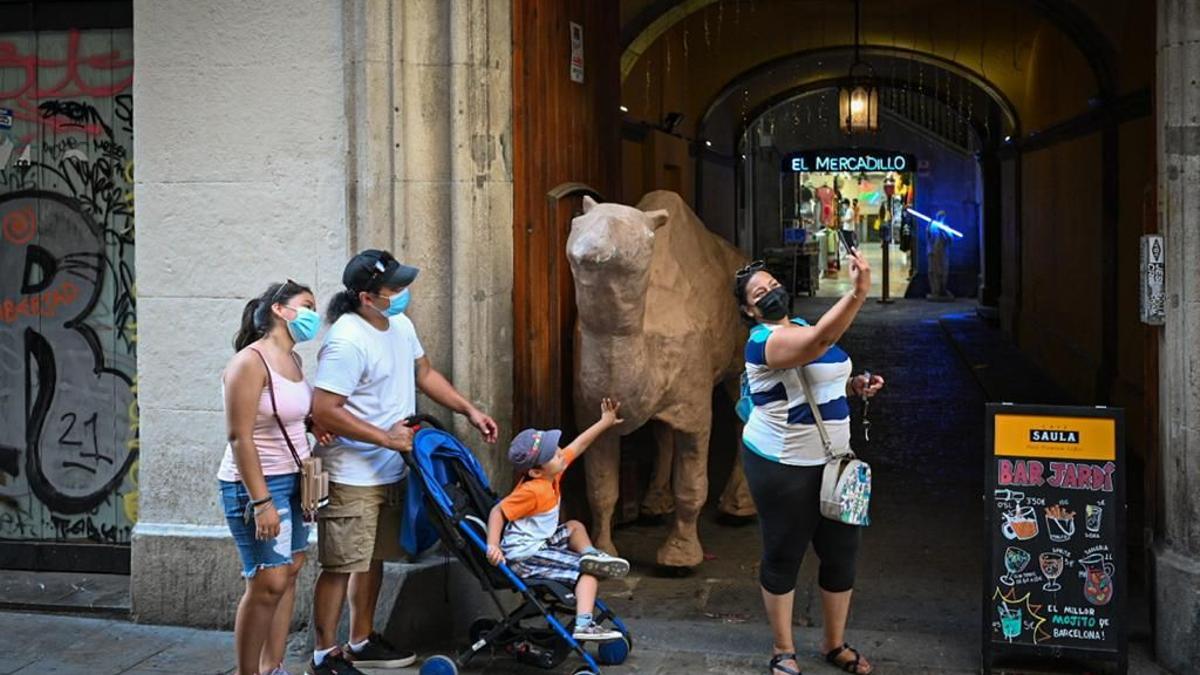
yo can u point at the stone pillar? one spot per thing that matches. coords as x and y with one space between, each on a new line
433 180
992 227
1177 552
274 139
1010 243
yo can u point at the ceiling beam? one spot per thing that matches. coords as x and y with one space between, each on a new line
1007 110
661 15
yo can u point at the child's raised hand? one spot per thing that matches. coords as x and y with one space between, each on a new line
609 412
495 555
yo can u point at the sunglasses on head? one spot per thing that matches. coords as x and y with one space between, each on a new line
378 269
279 292
756 266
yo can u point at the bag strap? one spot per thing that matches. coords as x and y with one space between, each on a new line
275 411
816 411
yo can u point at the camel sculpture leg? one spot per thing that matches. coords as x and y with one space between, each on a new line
690 481
603 463
735 499
658 500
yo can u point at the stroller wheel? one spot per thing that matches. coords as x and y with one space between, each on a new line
614 652
479 628
438 665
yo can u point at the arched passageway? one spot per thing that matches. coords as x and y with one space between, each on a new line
1032 118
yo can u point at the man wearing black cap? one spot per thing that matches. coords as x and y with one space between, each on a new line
368 371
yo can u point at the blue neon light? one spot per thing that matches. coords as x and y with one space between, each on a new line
935 224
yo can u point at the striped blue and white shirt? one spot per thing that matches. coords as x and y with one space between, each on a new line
781 427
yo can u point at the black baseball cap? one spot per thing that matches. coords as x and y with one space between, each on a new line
372 268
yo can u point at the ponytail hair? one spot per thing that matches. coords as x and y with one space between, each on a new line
740 283
248 332
257 318
342 302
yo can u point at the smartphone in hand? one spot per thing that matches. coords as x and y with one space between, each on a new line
849 239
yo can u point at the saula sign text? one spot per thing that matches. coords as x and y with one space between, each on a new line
1053 436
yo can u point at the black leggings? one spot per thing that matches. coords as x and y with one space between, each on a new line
788 499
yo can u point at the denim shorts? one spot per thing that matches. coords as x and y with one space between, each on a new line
293 531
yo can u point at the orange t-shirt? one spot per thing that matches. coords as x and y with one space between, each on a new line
535 496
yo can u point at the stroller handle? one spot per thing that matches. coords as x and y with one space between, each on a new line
416 422
424 419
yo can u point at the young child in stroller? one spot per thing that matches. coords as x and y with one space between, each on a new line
533 543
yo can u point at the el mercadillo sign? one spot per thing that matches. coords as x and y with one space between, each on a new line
833 161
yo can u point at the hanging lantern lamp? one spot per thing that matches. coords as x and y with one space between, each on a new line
858 97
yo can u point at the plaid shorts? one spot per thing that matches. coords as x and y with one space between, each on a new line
554 560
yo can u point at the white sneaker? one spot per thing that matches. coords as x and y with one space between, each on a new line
596 633
603 565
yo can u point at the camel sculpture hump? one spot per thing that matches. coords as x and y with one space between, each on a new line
690 285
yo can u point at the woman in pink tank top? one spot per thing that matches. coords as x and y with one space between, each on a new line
259 474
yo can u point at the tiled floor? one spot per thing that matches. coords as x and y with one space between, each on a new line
897 274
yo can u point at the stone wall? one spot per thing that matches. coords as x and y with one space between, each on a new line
1177 553
274 139
242 149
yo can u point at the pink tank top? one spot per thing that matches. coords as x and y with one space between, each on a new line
294 400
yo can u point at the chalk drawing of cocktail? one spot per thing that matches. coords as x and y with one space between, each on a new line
1052 567
1094 514
1010 621
1097 574
1020 523
1015 560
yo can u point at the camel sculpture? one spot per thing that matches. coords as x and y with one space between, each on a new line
658 329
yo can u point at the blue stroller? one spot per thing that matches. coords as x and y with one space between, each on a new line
449 498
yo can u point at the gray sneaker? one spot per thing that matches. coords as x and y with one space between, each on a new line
603 565
594 632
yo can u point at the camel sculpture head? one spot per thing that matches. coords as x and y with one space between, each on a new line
610 249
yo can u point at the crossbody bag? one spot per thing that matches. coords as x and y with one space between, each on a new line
846 481
314 481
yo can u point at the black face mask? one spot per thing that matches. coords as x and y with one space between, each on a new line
774 305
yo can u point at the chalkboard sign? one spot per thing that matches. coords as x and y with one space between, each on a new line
1054 580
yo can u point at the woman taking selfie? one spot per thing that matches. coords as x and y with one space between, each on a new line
259 478
784 455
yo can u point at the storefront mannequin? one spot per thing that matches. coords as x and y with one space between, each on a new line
825 195
806 208
939 260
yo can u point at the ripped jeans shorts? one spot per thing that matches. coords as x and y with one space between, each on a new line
293 531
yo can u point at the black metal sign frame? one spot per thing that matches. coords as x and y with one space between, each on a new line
1003 523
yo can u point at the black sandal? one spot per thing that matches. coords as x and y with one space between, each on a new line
786 656
848 666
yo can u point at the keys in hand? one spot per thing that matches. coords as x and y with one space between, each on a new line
866 422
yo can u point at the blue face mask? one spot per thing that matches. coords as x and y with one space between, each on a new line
398 303
305 326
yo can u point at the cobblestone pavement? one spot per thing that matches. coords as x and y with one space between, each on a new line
916 606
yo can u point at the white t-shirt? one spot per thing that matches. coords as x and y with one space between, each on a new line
376 371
